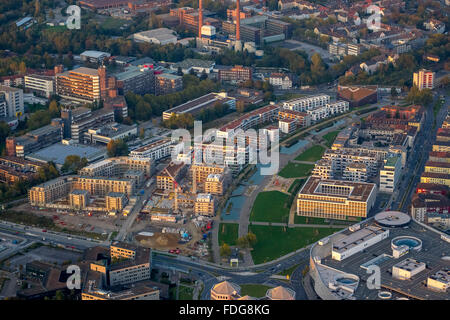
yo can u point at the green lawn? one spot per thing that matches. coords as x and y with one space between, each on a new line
271 206
309 220
289 271
228 233
296 185
312 154
329 138
296 170
113 23
254 290
185 293
274 242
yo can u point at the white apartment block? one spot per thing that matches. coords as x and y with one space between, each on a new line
324 169
154 151
343 158
43 85
307 103
390 173
356 172
14 101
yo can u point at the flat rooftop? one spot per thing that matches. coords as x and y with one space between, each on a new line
58 153
433 253
356 191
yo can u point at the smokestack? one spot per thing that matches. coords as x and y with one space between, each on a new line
238 21
200 18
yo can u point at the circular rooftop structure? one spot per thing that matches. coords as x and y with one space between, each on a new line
392 219
412 243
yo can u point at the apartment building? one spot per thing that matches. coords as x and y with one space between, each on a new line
437 167
79 199
115 201
342 158
14 102
116 166
40 84
356 172
61 187
335 199
205 205
307 103
324 168
390 173
82 84
169 178
166 83
287 126
13 169
216 184
303 118
424 79
155 150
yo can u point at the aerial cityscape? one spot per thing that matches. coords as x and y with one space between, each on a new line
224 150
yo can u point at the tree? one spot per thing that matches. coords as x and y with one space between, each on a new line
53 109
117 148
394 92
73 163
142 133
225 250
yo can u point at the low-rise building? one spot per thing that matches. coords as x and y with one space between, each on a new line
408 268
440 281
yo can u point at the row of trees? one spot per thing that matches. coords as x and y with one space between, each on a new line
244 242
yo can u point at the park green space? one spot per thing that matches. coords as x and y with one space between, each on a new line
274 242
312 154
228 233
185 293
254 290
330 137
270 206
296 170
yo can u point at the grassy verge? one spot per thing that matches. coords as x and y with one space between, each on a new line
312 154
296 170
274 242
330 137
254 290
228 233
185 293
271 206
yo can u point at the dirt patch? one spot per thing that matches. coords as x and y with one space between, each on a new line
160 241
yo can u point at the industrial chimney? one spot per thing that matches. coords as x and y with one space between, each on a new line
238 21
200 18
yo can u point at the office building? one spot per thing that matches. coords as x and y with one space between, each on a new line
41 85
140 80
335 199
235 74
439 281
